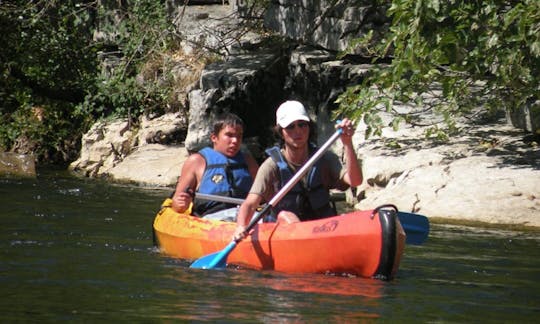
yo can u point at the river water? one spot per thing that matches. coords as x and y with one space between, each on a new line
76 249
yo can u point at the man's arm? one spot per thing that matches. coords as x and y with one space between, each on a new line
246 211
353 174
190 177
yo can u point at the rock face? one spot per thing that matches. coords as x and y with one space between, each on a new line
151 165
103 146
250 85
490 173
328 24
527 117
113 149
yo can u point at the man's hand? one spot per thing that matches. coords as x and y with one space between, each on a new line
347 133
182 200
239 233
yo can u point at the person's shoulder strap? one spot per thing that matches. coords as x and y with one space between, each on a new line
206 152
215 159
275 153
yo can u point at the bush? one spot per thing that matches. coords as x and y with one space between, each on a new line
50 63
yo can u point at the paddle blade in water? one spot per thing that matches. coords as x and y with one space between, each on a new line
216 260
415 226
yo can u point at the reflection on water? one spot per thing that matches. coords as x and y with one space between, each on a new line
324 284
270 296
81 250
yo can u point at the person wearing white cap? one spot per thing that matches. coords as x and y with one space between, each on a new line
309 198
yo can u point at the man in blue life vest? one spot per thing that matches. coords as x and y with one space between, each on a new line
309 198
221 170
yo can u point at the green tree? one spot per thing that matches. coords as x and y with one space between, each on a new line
463 53
48 63
51 83
140 36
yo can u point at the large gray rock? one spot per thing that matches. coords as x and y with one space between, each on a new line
328 24
488 174
249 85
151 165
169 128
103 146
526 117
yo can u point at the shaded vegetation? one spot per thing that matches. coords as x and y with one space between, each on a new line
52 83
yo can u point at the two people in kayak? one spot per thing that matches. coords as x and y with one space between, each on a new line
226 170
309 198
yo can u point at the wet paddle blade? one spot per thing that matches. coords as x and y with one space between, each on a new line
415 226
216 260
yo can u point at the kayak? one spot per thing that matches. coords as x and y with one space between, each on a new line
367 243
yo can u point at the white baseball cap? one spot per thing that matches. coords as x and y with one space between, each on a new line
289 111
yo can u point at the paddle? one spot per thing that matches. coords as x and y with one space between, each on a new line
415 226
219 259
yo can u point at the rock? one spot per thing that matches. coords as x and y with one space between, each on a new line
201 118
250 86
166 129
461 180
151 165
526 117
103 146
328 24
17 165
213 27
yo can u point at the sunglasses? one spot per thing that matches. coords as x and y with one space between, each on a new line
292 126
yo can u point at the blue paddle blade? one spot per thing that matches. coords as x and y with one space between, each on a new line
415 226
216 260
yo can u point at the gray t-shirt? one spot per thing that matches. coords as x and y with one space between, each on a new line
267 182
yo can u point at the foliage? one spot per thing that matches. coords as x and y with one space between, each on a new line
141 35
47 63
51 64
448 57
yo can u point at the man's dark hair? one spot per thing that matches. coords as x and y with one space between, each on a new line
227 119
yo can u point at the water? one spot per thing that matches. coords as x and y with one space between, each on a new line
81 250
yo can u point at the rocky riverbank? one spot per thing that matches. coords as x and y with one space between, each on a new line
489 174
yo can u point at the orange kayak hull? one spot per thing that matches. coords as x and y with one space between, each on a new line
360 243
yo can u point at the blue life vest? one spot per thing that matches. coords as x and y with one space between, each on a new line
222 176
308 201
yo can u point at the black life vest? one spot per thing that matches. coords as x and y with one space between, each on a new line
309 200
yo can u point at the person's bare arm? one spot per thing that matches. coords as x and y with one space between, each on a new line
245 213
353 174
189 178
